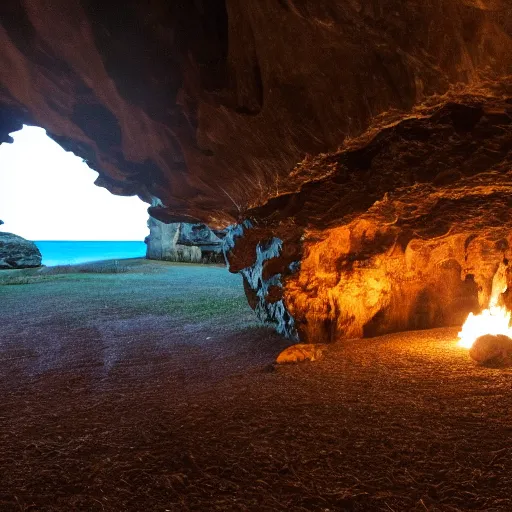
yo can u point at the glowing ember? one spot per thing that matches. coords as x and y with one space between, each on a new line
494 320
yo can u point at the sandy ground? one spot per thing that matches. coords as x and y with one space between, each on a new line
154 390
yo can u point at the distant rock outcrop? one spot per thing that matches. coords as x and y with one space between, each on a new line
193 243
201 236
16 252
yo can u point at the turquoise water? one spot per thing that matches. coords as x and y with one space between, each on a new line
71 253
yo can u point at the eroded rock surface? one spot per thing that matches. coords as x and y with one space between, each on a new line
406 231
258 254
208 105
17 252
162 244
399 113
209 241
178 241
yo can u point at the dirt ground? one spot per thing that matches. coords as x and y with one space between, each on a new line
154 390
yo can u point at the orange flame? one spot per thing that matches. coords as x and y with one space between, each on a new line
493 320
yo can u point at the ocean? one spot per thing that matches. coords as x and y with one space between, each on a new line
71 252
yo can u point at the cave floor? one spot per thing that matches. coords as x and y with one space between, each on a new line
155 391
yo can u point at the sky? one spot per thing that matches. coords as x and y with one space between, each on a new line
47 193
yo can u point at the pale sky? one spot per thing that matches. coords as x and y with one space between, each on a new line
49 194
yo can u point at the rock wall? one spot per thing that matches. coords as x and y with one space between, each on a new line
259 257
209 241
192 243
405 232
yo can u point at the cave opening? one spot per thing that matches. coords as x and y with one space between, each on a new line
48 196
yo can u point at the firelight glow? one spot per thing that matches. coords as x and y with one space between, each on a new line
494 320
47 193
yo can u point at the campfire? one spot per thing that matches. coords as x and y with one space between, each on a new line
488 335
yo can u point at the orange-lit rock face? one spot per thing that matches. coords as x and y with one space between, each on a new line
406 230
361 281
393 268
208 106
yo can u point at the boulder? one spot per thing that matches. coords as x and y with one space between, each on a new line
17 252
492 349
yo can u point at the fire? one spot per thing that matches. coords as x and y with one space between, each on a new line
493 320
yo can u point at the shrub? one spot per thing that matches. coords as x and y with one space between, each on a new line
14 280
58 269
108 267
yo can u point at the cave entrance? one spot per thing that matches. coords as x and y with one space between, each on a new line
47 195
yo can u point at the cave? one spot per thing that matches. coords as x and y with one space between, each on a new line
391 167
45 198
356 156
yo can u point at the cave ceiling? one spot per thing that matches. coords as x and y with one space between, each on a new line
210 106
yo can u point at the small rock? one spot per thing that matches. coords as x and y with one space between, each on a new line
301 352
492 348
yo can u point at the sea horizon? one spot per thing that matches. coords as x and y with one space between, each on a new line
109 241
73 252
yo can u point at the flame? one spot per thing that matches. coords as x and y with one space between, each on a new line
493 320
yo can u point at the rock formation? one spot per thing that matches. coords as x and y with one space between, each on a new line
359 151
179 241
162 244
16 252
200 235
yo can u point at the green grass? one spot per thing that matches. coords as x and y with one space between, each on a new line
20 277
189 293
37 275
102 267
